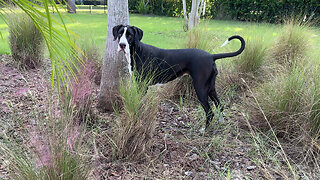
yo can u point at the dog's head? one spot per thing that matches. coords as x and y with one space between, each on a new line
127 36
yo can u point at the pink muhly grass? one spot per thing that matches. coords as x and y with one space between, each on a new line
72 138
42 149
82 88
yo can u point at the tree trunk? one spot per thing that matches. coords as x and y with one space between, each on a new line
71 6
194 15
114 63
185 15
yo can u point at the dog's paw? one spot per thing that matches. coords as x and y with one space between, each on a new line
221 117
202 130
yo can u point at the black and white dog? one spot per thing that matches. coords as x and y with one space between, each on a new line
168 64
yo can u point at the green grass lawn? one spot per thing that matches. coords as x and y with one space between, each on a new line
164 32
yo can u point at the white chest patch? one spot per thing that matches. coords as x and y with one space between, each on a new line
129 63
123 40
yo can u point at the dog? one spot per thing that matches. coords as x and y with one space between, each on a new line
168 64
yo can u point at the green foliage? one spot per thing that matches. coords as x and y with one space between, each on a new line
268 10
245 10
157 7
26 41
142 7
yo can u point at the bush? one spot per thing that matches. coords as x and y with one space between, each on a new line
26 41
137 119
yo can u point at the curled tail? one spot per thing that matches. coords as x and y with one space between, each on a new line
225 55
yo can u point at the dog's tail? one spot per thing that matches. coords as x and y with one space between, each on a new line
226 55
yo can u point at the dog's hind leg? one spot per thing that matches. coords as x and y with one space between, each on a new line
202 93
213 94
214 97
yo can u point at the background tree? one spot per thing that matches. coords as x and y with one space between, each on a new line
114 62
192 19
71 6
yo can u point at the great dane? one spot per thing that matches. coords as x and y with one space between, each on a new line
168 64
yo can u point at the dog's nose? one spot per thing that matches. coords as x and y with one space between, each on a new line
122 45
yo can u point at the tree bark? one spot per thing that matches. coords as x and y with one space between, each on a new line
114 63
71 6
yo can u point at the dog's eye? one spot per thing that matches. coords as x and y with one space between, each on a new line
129 36
120 34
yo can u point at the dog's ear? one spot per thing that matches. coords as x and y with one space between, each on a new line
138 33
115 31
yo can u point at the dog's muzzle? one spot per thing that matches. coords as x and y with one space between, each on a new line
122 46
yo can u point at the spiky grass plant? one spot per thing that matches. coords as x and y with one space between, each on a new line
284 98
26 41
293 43
253 57
137 119
290 103
200 38
315 104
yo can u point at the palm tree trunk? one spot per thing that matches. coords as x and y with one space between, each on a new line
114 63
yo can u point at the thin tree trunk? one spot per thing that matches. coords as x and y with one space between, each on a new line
114 63
204 7
194 14
71 6
185 14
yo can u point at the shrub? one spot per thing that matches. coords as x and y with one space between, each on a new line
137 119
26 42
